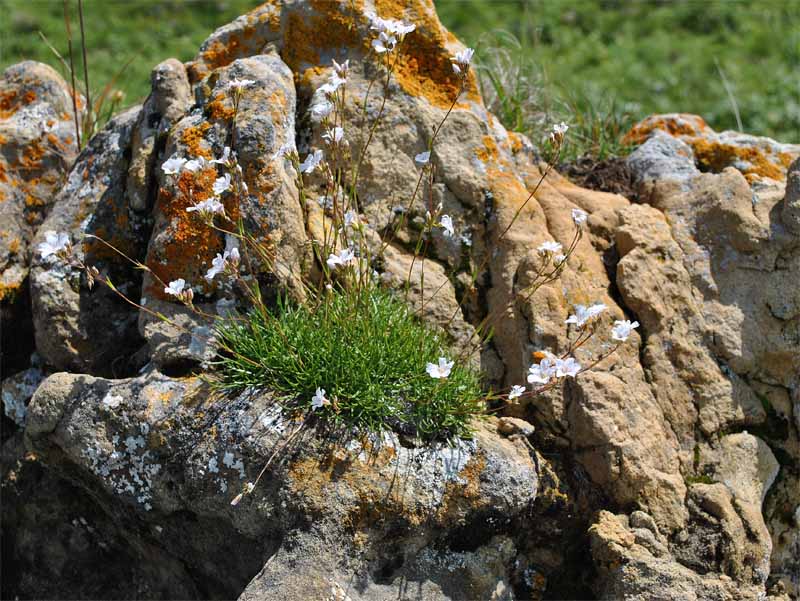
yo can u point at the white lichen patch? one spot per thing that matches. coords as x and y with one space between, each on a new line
17 390
126 466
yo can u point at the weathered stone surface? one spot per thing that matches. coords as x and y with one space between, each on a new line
329 510
77 328
757 158
707 261
37 147
170 97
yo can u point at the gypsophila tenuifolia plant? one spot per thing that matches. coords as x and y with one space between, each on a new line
351 352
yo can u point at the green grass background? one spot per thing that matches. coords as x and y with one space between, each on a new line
631 57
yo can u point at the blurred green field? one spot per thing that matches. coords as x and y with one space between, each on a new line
595 63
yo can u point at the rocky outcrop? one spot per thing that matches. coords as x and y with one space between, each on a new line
37 148
672 468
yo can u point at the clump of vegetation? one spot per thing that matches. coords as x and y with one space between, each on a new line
364 353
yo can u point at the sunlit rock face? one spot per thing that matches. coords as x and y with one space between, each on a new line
671 468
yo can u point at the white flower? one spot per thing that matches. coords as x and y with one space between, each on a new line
318 401
321 109
567 367
286 148
173 165
622 329
559 259
217 267
176 287
549 247
583 313
516 392
560 129
239 84
334 83
384 43
351 219
462 59
341 69
440 370
333 136
542 372
398 28
344 258
222 262
222 184
212 206
197 164
447 225
579 217
312 162
226 155
423 157
53 244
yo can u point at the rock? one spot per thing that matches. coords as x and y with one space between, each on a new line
17 390
791 202
77 328
170 98
756 157
163 450
181 245
705 260
37 148
629 569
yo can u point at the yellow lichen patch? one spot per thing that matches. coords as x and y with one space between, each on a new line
516 142
220 54
192 137
715 156
463 495
8 290
330 28
682 125
191 243
487 152
424 68
220 108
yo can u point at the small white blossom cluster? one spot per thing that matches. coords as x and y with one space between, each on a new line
558 133
390 33
227 263
175 165
462 60
55 246
551 366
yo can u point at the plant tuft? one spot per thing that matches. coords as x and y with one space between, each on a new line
367 351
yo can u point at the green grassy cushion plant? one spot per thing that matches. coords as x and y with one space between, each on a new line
369 353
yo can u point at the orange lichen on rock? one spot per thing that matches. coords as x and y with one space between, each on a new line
220 54
219 108
424 67
191 242
487 152
193 138
715 156
680 125
10 102
331 27
516 142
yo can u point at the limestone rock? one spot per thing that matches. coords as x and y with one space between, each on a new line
77 328
326 512
37 148
170 98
